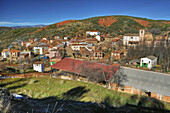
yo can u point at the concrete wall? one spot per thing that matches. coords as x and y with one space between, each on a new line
38 67
128 89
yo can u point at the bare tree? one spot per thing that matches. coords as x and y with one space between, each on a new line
119 77
98 74
3 66
93 74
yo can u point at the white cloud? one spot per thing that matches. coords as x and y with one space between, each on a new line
20 23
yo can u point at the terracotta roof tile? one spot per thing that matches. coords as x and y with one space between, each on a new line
71 65
14 51
92 31
115 40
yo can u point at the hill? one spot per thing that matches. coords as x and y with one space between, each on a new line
78 96
4 29
113 25
8 35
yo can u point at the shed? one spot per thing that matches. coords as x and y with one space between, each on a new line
148 62
38 66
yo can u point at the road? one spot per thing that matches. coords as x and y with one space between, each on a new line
147 80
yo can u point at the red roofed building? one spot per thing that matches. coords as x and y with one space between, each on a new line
98 54
117 41
14 54
117 54
92 32
73 65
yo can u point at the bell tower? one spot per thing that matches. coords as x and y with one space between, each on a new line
141 34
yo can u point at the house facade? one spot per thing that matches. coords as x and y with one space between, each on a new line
92 32
77 46
38 66
109 38
148 62
14 54
98 54
54 53
40 48
98 37
131 39
5 53
117 54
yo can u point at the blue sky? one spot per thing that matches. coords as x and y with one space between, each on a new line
33 12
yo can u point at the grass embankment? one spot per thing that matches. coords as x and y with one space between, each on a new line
43 87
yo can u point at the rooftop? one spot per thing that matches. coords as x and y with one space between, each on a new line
5 50
38 62
14 51
92 31
151 57
129 34
73 65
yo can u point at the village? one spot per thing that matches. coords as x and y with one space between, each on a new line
41 53
77 58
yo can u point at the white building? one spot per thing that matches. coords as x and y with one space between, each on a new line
77 46
92 32
98 37
39 49
5 53
38 66
148 62
66 38
131 39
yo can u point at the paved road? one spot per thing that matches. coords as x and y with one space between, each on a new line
147 80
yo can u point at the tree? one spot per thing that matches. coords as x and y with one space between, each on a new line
3 66
93 74
119 77
98 74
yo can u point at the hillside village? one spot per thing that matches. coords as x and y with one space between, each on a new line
86 59
95 47
80 56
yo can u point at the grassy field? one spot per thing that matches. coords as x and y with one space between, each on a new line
44 87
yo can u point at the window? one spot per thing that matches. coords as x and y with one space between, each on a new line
96 55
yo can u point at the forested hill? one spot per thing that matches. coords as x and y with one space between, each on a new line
113 25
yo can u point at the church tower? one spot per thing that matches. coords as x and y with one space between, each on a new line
141 34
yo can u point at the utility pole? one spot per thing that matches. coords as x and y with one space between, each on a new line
21 66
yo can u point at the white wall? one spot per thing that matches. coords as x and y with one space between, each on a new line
98 37
40 49
146 60
77 47
5 54
92 33
38 67
126 39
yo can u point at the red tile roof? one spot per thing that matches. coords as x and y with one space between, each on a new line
115 64
14 51
92 31
115 40
73 65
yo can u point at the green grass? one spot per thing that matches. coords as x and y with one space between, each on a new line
73 90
